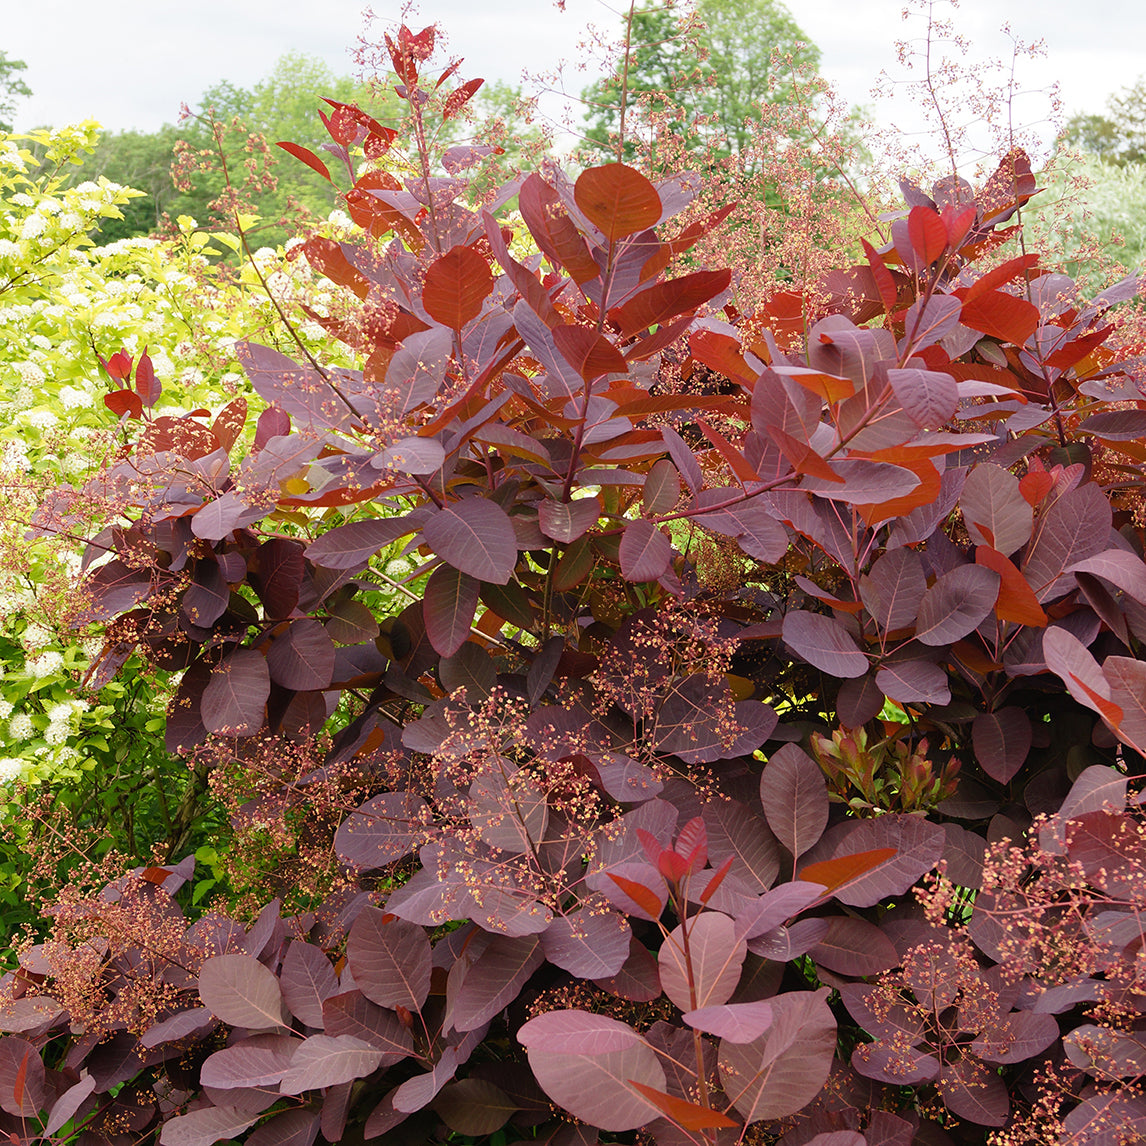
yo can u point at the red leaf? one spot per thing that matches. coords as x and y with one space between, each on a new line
645 898
716 880
739 465
662 301
121 402
1016 600
459 97
147 386
1002 316
1001 274
834 873
328 258
589 353
688 1115
118 366
957 223
928 233
307 156
456 286
617 200
1035 485
722 353
883 277
555 233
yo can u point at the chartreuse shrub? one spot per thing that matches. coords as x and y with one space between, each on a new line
74 316
571 871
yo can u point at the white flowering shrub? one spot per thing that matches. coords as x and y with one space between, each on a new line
66 302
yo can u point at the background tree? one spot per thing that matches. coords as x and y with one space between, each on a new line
12 87
1120 135
709 68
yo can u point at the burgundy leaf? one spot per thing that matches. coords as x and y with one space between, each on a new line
735 1022
661 490
234 701
307 979
645 552
713 954
448 606
891 592
783 1070
351 1013
206 1126
69 1102
474 1107
259 1061
382 830
918 844
956 604
588 944
239 990
419 456
1019 1036
897 1066
913 682
585 1062
390 959
565 521
475 536
1074 528
825 643
794 793
276 575
854 946
329 1060
509 810
929 396
418 1092
290 1128
994 511
736 833
21 1078
1001 740
495 979
975 1092
351 546
1126 571
302 658
776 906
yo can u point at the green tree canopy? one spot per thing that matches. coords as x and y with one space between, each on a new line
709 68
1120 135
12 88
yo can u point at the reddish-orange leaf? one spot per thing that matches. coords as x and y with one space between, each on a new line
121 402
685 1114
459 97
883 277
834 873
722 353
957 223
739 465
617 200
308 157
1003 273
456 285
783 314
1109 711
229 424
1002 316
645 898
828 386
1035 485
589 353
1016 601
804 459
930 480
716 880
661 301
1077 349
975 658
553 230
156 875
328 258
927 233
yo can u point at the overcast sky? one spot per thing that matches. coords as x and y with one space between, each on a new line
131 63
